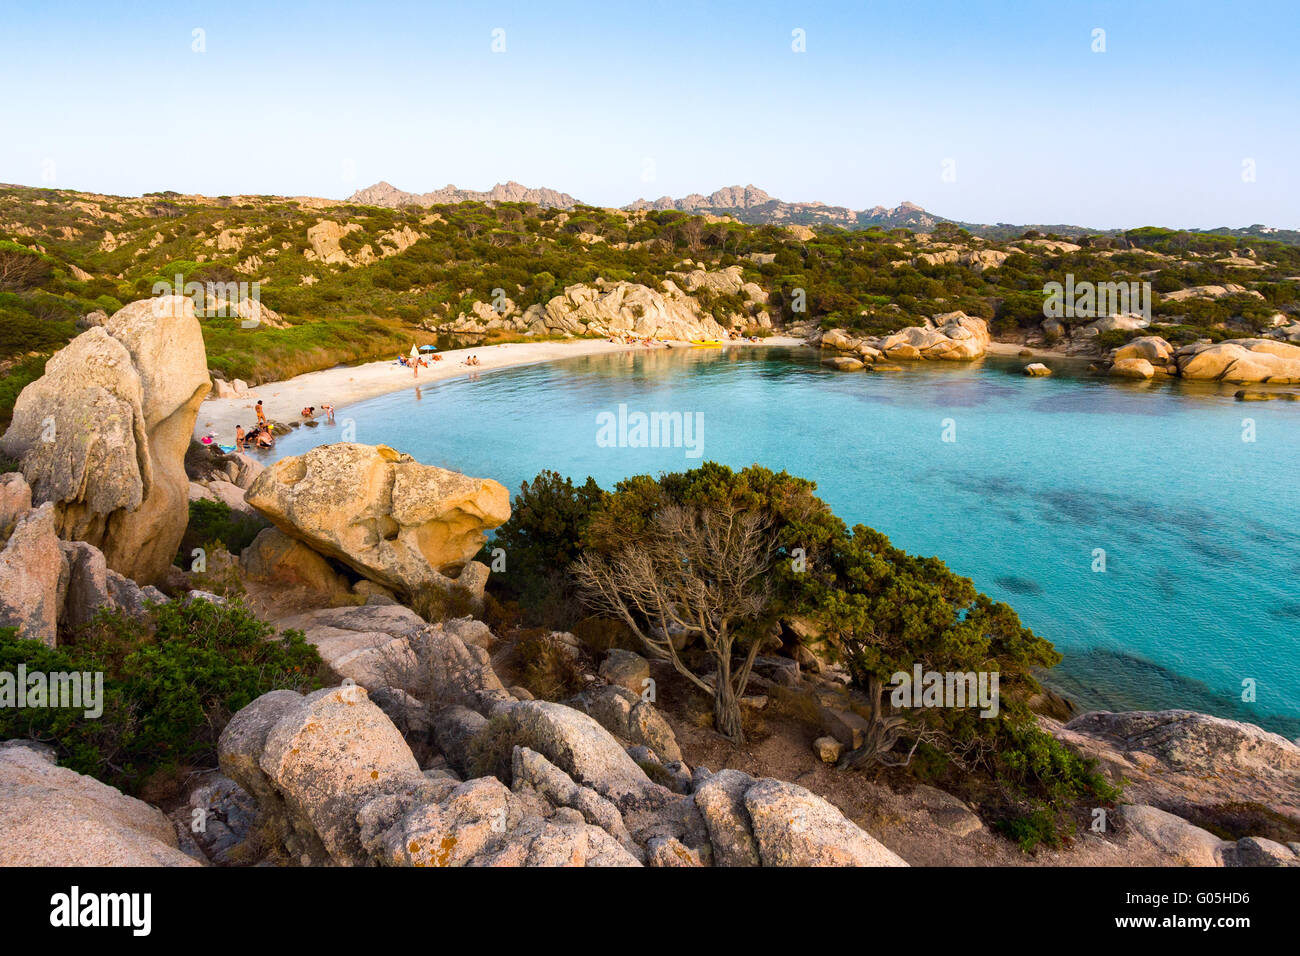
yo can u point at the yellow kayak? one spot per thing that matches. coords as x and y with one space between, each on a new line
706 343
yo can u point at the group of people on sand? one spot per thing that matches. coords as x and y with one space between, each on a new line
262 434
644 341
414 362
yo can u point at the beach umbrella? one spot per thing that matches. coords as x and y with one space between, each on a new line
415 353
428 348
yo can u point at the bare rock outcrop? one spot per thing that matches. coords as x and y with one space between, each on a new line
337 782
52 816
1210 292
1189 763
32 575
953 336
275 557
767 822
1241 361
397 522
102 434
369 644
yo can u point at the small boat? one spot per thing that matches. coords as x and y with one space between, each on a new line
706 343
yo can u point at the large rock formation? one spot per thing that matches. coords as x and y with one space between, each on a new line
48 585
954 336
102 434
1240 361
671 311
397 522
628 307
337 782
1189 763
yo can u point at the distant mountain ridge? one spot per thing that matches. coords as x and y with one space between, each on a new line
386 194
754 206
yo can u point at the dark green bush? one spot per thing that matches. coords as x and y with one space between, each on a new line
171 683
215 522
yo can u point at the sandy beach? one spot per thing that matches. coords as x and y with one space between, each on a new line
346 385
1015 348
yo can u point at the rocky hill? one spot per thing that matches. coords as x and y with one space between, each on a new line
749 204
384 194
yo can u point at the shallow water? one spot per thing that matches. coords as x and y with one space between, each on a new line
1201 530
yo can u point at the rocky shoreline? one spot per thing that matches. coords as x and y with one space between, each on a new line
956 337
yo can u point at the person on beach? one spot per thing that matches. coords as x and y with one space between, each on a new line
309 411
239 437
329 413
261 414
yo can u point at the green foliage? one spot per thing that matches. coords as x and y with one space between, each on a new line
1039 825
170 685
883 609
14 380
215 522
541 539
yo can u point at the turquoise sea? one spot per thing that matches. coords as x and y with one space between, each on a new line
1200 528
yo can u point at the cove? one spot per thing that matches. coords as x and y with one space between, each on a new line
1198 530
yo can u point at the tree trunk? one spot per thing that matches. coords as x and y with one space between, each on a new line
726 709
726 714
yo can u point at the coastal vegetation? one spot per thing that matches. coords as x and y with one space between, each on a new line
708 568
171 681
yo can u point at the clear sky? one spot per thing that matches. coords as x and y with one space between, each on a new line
1191 116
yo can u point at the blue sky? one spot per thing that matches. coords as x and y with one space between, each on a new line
611 101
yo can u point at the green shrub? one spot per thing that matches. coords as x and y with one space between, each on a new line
215 522
541 539
170 684
1039 825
